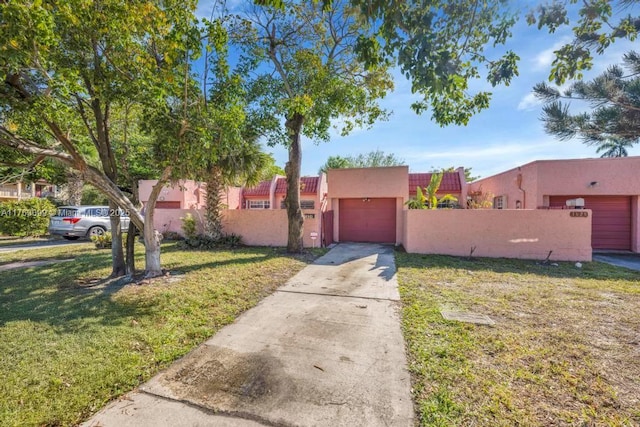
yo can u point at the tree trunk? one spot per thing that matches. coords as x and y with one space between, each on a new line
131 235
292 170
119 268
153 237
131 250
213 214
74 188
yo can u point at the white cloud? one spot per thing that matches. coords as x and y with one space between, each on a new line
529 102
543 60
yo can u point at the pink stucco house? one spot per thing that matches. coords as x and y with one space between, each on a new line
529 214
610 188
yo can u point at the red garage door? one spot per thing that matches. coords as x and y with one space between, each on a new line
368 220
611 222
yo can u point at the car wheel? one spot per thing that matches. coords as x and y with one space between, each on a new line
70 237
96 231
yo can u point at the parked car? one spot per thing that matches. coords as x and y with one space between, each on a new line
73 222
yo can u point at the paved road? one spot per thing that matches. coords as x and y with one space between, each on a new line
326 349
39 245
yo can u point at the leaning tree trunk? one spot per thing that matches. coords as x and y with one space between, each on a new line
292 170
213 214
153 237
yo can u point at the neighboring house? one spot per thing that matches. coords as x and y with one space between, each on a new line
610 187
452 183
369 205
187 194
21 191
271 194
368 202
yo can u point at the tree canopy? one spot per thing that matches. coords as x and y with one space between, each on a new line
614 101
372 159
308 75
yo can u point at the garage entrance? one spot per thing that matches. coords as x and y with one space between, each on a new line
611 222
367 220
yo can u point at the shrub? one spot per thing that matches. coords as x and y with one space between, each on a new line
189 227
171 235
26 218
204 242
103 241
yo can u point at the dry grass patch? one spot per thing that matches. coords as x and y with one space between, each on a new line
564 350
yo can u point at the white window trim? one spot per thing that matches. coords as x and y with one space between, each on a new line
258 204
500 202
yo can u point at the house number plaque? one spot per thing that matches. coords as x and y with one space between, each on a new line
581 214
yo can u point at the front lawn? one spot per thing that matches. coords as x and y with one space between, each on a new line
70 344
564 350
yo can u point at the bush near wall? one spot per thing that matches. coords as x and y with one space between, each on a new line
26 218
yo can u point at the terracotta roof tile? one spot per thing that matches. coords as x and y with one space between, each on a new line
450 182
309 185
262 189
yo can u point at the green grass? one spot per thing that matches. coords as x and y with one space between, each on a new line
67 348
564 350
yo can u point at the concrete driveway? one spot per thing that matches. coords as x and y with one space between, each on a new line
631 261
326 349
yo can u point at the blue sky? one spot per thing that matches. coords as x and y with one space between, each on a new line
508 134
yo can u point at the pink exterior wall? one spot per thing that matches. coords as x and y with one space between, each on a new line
187 192
190 194
387 182
233 198
171 219
615 177
528 234
268 227
506 184
543 178
250 224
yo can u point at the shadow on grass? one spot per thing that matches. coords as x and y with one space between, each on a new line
589 270
252 254
51 295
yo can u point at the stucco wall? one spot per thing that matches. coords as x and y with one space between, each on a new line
506 184
171 219
528 234
540 179
368 182
233 198
267 227
614 177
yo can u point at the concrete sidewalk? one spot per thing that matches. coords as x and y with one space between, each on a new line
326 349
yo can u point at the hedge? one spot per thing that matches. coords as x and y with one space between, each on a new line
29 217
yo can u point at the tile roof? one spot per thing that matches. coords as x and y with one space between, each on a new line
450 182
309 185
261 189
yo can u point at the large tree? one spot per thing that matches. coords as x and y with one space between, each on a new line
313 76
66 65
613 99
372 159
440 46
